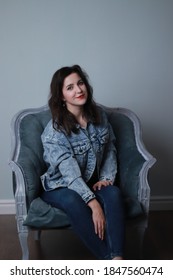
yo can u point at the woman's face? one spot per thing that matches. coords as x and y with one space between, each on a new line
74 92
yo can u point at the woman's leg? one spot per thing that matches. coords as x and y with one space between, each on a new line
80 216
111 200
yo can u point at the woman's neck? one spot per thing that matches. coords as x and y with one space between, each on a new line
79 115
81 120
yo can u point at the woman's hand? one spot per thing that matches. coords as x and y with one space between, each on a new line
101 184
98 218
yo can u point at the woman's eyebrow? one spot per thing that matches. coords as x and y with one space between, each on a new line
68 85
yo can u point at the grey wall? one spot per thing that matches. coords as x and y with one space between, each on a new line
126 46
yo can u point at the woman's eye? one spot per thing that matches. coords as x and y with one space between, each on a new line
69 88
81 83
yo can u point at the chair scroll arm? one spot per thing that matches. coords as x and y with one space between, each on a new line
144 188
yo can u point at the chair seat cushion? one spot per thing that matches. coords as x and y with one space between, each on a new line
43 215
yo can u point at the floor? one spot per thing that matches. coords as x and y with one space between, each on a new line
64 244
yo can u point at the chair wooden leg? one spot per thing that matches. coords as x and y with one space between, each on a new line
23 238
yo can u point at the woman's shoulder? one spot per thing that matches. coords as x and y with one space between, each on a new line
51 134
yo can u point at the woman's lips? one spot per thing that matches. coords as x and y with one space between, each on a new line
80 96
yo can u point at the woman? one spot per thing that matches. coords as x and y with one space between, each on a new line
81 158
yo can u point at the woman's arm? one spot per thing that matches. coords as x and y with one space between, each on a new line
62 166
108 168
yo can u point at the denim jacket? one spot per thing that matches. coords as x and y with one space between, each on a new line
72 159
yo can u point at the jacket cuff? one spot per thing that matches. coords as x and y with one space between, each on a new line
82 189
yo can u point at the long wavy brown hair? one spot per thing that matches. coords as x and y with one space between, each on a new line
61 117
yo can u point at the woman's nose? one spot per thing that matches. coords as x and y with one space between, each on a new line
78 89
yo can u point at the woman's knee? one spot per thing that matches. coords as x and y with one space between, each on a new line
112 190
116 191
110 193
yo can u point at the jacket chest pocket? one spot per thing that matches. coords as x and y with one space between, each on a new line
80 151
80 148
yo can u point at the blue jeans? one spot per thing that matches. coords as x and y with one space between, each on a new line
80 216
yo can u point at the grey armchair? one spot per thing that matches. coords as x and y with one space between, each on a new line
27 166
